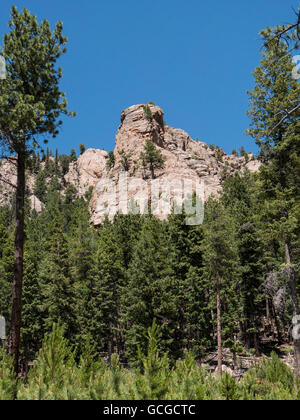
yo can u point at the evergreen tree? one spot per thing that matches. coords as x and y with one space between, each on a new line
148 113
111 160
82 239
40 187
220 271
106 284
152 157
127 231
65 163
151 291
31 103
56 161
73 156
277 135
195 329
125 160
82 149
239 197
57 285
32 331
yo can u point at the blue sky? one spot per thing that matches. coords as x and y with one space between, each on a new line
193 58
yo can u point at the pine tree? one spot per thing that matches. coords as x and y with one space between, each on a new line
82 239
239 197
40 187
32 331
151 291
195 328
220 271
82 149
148 113
73 156
57 284
153 385
52 376
106 284
152 157
56 161
111 160
82 244
65 163
31 103
125 160
277 134
127 229
8 381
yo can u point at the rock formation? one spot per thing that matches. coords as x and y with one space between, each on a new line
184 159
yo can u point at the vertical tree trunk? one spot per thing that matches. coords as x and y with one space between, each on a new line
219 329
277 324
295 305
267 309
110 342
152 171
18 263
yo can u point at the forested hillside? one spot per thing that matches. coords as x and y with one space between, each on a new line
107 284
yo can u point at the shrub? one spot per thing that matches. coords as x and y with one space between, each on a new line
111 160
148 113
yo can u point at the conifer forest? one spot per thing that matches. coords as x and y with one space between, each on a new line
140 307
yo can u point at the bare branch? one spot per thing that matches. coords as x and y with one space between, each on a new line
287 114
7 182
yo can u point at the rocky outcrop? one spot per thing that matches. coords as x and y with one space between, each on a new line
8 180
36 204
87 170
185 159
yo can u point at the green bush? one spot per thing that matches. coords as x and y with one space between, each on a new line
148 113
57 375
271 380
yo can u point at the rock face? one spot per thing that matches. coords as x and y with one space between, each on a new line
185 160
87 170
8 178
8 181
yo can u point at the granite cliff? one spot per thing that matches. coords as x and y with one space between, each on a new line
184 158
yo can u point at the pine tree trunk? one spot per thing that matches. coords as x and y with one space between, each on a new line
267 309
110 342
256 345
219 329
295 304
18 263
152 171
277 325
